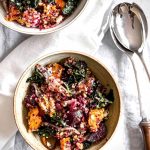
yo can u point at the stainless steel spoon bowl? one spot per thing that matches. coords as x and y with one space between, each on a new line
129 25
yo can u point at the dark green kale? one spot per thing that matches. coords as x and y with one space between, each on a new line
74 72
79 74
36 77
70 80
56 120
79 71
46 131
70 6
34 3
17 3
51 1
94 87
86 144
68 88
100 101
23 4
68 9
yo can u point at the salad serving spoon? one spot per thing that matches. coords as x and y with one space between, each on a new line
129 25
129 35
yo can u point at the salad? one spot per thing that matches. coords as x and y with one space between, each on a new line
42 14
66 105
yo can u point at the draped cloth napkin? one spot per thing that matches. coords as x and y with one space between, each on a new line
86 35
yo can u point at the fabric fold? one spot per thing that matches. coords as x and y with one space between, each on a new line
80 36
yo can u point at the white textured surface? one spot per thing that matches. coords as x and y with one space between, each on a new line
81 35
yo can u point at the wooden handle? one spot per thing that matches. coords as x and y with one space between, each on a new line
145 127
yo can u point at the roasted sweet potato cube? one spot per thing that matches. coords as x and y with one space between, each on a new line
95 117
60 3
57 70
34 120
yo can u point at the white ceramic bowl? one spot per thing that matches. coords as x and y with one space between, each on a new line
34 31
100 71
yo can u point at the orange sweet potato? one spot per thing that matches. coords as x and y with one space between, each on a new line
95 117
65 144
34 120
60 3
57 70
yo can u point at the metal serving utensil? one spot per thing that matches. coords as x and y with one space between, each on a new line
129 35
129 25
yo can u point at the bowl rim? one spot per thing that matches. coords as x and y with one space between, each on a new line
42 32
72 52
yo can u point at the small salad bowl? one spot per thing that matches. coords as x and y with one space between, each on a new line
36 31
100 72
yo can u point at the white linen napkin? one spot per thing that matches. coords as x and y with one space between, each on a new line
85 34
81 35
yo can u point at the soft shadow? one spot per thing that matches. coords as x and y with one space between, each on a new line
20 143
9 40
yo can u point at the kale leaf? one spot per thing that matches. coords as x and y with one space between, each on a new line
86 144
50 1
46 131
70 80
77 71
55 119
36 77
70 6
94 87
67 86
79 74
23 4
68 9
99 100
34 3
